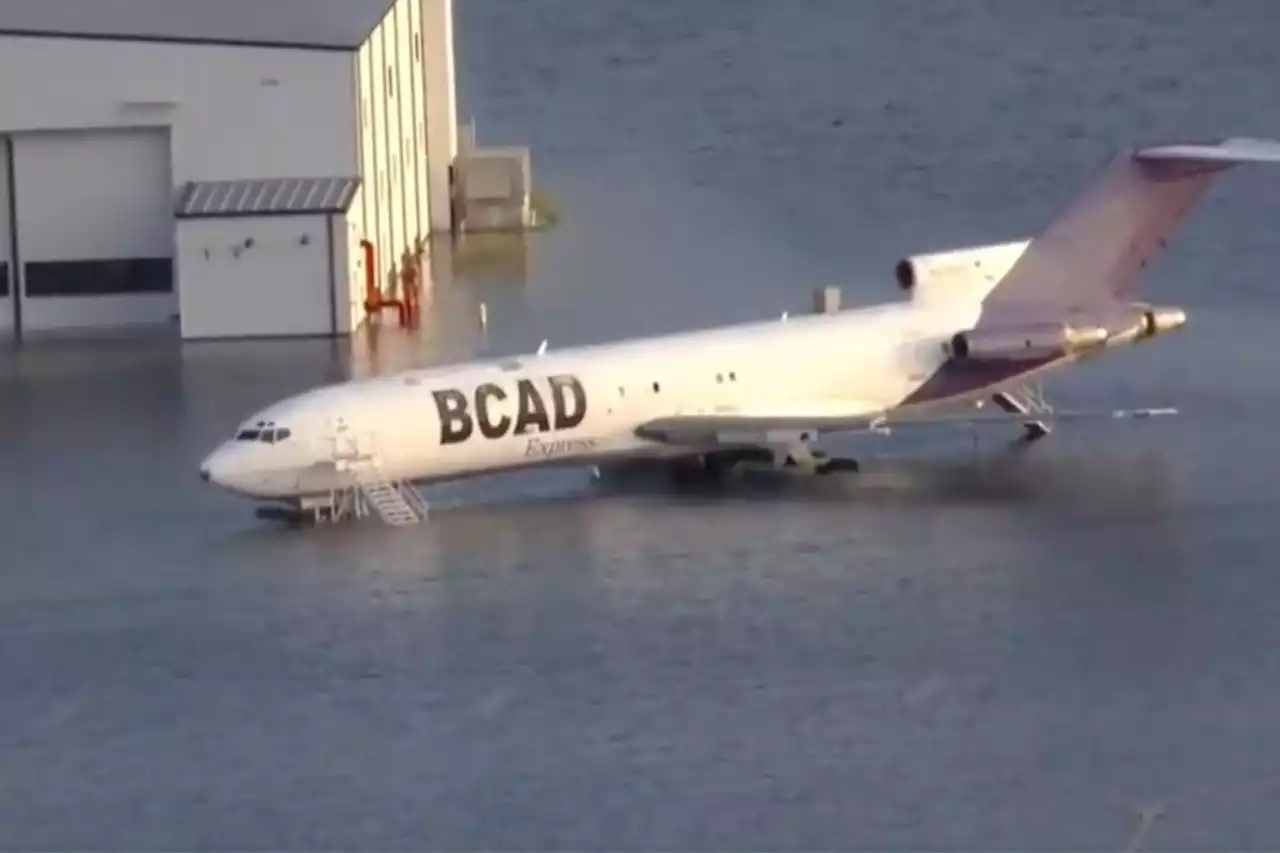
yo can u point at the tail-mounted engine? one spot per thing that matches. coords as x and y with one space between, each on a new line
1036 341
1023 343
965 274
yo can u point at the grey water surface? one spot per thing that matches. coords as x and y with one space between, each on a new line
955 650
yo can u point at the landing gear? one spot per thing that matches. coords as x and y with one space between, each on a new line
1031 402
801 458
792 455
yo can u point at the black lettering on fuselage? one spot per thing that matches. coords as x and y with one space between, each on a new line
557 446
455 422
532 410
566 419
458 423
489 427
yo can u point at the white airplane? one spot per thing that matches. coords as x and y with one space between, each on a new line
977 323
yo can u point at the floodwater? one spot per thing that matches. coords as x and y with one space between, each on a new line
1073 648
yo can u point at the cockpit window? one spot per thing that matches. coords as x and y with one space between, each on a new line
267 435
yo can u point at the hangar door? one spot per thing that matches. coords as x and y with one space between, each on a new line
94 214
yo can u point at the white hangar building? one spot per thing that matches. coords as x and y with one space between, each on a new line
220 161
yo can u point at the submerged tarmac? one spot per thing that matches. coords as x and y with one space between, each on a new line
953 638
1066 648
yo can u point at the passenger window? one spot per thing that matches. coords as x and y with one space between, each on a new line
269 436
282 433
247 435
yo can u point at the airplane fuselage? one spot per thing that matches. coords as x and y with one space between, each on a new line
582 405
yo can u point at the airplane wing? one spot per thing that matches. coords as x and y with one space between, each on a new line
759 426
774 428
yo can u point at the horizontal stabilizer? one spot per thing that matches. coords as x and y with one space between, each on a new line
1096 251
1230 151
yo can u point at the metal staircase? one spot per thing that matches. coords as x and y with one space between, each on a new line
396 502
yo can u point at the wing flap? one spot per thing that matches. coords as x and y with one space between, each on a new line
763 429
974 418
758 426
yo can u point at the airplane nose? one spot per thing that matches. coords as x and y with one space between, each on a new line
213 467
228 468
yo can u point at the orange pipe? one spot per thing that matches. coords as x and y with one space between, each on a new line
371 295
373 300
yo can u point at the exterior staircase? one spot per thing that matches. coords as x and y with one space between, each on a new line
396 502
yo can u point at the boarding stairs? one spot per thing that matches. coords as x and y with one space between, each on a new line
371 492
397 503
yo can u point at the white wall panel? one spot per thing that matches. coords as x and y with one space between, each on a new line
407 93
391 141
348 292
278 286
441 108
357 214
236 112
368 142
422 183
378 121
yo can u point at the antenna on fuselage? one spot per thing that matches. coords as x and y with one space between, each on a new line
542 347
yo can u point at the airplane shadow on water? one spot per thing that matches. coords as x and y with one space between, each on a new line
1017 475
1085 484
1071 481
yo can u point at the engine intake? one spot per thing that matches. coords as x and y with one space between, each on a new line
968 273
1023 343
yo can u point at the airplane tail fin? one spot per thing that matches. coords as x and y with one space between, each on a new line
1098 248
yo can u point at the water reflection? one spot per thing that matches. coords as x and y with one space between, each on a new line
474 303
978 653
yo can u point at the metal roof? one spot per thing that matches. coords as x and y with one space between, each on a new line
319 24
266 197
